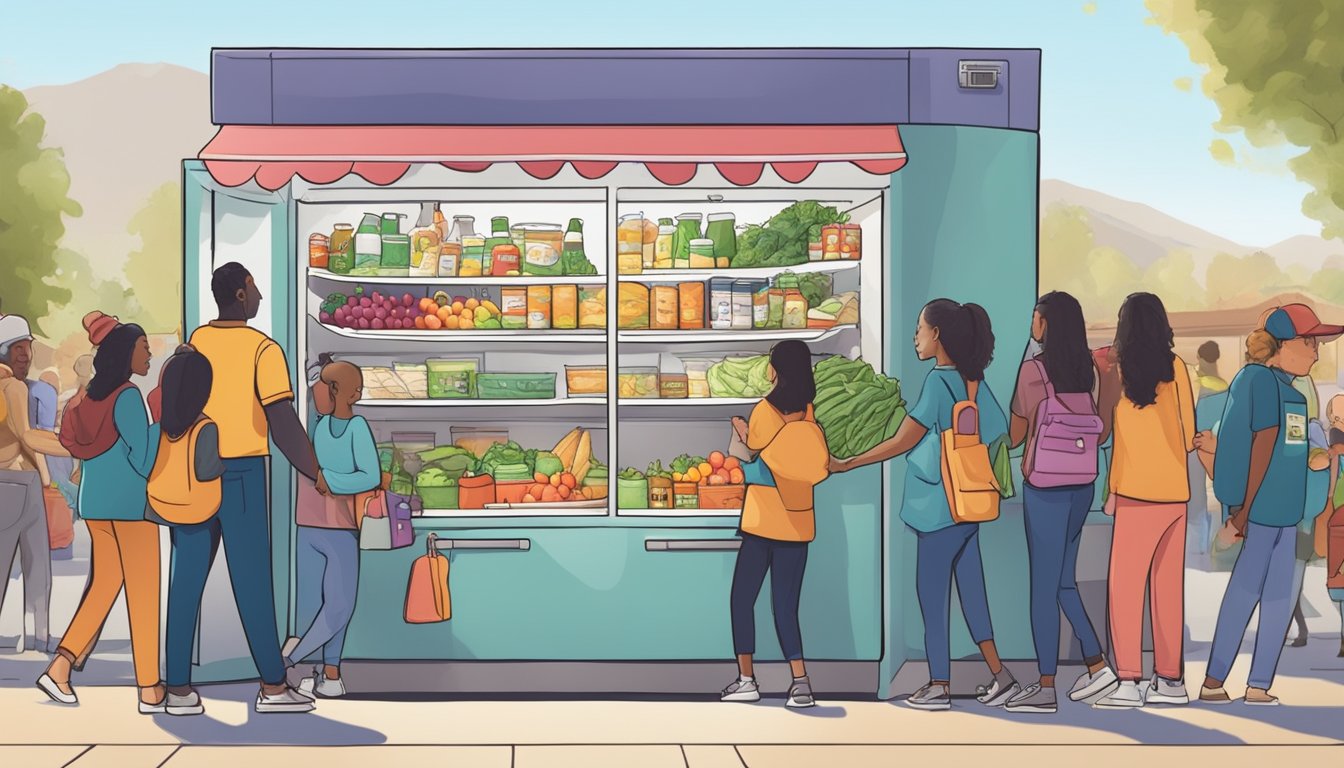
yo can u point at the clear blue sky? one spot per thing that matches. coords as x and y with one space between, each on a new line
1112 119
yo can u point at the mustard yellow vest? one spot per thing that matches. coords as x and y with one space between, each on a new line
175 493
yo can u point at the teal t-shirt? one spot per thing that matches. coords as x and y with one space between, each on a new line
1263 398
112 484
924 504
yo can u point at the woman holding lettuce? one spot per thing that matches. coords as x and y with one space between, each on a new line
777 516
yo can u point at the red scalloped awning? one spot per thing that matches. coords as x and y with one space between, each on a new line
274 155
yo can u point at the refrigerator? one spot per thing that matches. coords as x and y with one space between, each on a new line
578 590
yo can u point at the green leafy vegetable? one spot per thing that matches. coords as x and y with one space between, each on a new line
503 454
740 377
576 263
333 302
434 477
630 473
856 407
782 241
816 288
656 469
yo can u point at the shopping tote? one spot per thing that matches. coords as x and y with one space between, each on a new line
427 598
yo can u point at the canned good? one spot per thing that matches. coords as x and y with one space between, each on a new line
538 307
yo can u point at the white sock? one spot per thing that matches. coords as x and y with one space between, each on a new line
746 678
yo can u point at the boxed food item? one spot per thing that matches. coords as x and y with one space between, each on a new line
665 309
416 378
673 386
637 383
597 483
565 307
586 379
632 306
382 384
476 492
451 378
593 307
685 496
438 496
516 386
722 496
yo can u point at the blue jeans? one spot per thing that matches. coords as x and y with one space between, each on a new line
243 522
786 561
938 557
334 554
1263 575
1054 524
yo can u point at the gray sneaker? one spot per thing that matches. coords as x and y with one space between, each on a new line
800 694
183 706
288 701
931 697
998 691
1164 691
741 690
1035 698
1090 684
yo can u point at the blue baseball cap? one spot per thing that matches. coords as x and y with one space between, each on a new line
1298 320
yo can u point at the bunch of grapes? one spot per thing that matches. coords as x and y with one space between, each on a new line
376 312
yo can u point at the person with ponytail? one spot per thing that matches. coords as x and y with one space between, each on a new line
1054 404
1149 489
107 429
960 340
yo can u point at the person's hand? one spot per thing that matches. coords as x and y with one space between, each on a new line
1109 506
1237 520
322 484
740 427
1226 537
1206 442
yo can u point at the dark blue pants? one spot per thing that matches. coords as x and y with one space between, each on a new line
1054 523
939 556
786 561
243 523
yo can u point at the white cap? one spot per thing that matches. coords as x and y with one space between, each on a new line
14 328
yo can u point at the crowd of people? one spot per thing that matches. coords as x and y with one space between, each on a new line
191 457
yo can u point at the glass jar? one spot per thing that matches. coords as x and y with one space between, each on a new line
649 244
505 260
425 251
701 254
721 304
539 307
473 255
542 246
662 249
795 310
630 244
319 251
341 249
722 230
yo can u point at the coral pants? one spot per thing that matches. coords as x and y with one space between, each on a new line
1148 551
124 552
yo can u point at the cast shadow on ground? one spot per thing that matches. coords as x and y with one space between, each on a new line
276 729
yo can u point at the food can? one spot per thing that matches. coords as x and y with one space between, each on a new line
538 307
665 308
565 307
691 301
513 308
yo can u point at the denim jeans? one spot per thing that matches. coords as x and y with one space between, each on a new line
328 564
1263 576
786 561
1054 520
243 523
941 555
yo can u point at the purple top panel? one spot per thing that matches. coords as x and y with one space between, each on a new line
614 87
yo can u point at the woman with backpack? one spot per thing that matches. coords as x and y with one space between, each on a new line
107 429
1054 412
1149 489
959 338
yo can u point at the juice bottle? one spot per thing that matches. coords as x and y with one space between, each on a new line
341 249
662 248
499 235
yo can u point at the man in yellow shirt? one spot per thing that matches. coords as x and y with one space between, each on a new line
250 399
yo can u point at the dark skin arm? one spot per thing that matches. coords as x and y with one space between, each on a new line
288 433
1017 431
1108 396
1262 449
907 437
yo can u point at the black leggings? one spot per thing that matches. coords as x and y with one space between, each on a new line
786 561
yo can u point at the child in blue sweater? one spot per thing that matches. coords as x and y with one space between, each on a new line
328 528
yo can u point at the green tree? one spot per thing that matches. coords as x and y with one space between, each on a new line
87 293
1241 280
34 187
1173 278
155 271
1276 77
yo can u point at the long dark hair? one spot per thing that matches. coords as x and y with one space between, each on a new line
112 361
1068 359
795 387
187 379
965 333
1143 344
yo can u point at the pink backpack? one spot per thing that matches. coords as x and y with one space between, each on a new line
1064 450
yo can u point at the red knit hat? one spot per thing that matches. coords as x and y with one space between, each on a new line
98 326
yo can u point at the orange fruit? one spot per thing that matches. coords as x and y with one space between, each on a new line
451 323
540 478
716 459
676 477
705 469
564 491
730 463
537 489
568 480
735 476
433 323
472 304
458 307
420 322
466 323
529 499
555 480
692 475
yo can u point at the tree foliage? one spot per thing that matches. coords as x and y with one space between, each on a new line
86 293
34 187
155 271
1276 73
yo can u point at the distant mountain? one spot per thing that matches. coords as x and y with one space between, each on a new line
1146 234
125 132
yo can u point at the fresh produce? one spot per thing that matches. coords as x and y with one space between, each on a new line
373 312
740 377
656 470
630 473
856 407
574 262
335 301
782 241
815 287
508 454
435 477
575 452
459 313
560 486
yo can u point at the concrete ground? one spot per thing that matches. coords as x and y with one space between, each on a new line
105 729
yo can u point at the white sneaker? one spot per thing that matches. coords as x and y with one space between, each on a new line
1090 684
1164 691
997 693
183 706
321 685
49 687
288 701
741 690
1126 696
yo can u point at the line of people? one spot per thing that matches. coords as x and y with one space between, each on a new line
196 462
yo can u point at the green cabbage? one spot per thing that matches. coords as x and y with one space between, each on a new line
740 377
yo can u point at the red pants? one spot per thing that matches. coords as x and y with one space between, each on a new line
1148 551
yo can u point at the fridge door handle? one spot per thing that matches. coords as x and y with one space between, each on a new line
520 545
692 545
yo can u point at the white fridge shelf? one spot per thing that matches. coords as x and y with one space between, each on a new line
691 275
666 337
323 274
575 336
602 511
686 402
678 512
477 402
